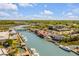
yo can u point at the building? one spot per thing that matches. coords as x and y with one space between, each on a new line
42 33
58 27
8 35
12 31
4 36
12 34
13 37
57 37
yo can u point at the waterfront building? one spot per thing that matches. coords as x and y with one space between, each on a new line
12 34
42 33
12 31
3 36
57 37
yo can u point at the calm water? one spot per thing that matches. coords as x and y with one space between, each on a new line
43 47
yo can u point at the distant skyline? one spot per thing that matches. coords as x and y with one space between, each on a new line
39 11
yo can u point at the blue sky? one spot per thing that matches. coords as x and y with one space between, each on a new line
46 11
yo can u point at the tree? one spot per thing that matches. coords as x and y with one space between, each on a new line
9 41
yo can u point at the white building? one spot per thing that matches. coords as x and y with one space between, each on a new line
13 34
4 36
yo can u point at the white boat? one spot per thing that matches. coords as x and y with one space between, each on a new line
34 52
25 38
66 48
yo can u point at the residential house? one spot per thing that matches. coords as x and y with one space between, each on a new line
4 36
58 27
57 37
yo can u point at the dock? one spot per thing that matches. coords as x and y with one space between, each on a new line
23 44
75 52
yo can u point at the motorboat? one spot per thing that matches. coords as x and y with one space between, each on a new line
66 48
34 52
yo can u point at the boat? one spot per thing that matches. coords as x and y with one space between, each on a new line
34 52
25 39
48 38
66 48
40 35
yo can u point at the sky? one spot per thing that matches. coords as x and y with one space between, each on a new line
39 11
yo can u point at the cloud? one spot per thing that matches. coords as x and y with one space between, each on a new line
7 10
69 14
75 10
10 15
73 17
16 14
72 12
72 5
40 17
47 12
25 4
4 14
8 6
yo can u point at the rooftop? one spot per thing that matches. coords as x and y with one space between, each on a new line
4 35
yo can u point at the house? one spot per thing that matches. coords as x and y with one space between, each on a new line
52 27
4 36
12 34
57 37
58 27
42 33
66 32
12 31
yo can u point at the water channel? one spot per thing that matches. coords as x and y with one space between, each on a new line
43 47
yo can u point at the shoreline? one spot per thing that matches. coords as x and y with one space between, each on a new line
23 44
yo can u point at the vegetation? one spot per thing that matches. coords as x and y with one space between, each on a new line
13 51
6 24
74 40
13 47
9 41
40 24
54 22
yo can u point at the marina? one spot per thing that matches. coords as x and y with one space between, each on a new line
43 47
